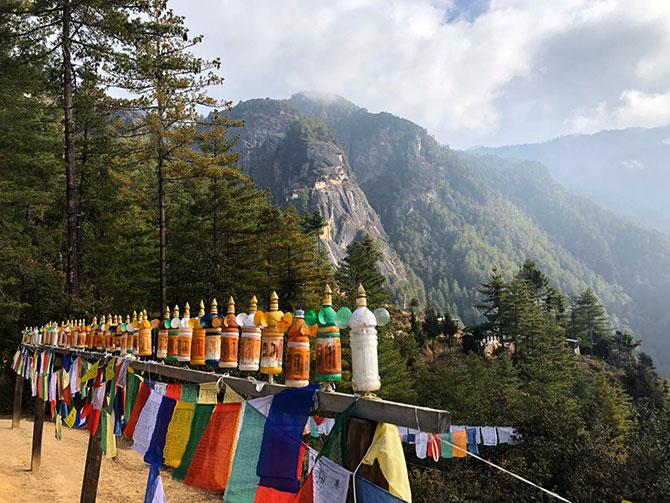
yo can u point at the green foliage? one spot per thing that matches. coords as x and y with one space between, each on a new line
359 267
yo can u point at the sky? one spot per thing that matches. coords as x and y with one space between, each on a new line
480 72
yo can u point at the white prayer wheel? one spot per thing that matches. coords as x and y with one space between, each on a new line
363 342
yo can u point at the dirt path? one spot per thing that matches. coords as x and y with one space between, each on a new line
121 480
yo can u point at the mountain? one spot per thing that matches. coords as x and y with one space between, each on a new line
625 170
447 217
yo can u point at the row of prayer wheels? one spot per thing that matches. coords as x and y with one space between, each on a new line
249 341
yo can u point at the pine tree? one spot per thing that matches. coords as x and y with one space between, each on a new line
590 325
493 292
359 266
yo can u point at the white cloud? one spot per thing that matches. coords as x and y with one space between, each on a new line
633 108
467 81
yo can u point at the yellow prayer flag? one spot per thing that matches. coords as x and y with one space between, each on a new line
71 417
460 440
178 433
65 378
91 373
109 371
387 450
207 392
231 395
111 439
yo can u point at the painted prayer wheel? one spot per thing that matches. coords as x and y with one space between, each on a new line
250 340
230 336
328 349
185 336
144 336
109 333
213 335
173 336
198 341
133 336
272 336
97 335
363 342
297 352
70 331
126 336
81 335
53 334
162 339
113 334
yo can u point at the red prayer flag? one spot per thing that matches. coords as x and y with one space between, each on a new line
173 391
140 402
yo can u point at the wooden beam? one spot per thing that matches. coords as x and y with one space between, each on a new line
18 398
412 416
38 426
89 486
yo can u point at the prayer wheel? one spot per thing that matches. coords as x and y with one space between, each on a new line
53 334
98 338
274 324
185 336
109 328
212 335
71 334
144 335
363 342
250 343
198 342
162 339
297 352
230 336
90 334
134 343
173 336
111 341
126 336
328 347
81 335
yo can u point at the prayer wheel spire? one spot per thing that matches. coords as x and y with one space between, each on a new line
201 311
187 311
213 307
253 305
166 313
361 298
231 305
134 315
327 299
176 311
274 301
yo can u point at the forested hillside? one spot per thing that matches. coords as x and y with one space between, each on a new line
625 170
451 216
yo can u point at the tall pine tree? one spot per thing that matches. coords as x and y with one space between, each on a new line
359 266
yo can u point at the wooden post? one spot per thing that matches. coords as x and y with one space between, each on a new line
360 433
89 486
38 426
18 397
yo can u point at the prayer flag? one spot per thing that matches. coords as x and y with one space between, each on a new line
178 432
208 392
268 494
173 391
146 423
472 440
330 481
198 425
386 449
282 438
154 492
154 454
369 493
460 441
142 397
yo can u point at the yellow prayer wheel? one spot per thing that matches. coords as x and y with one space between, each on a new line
144 336
250 341
98 335
162 339
185 336
173 336
230 336
297 352
212 324
198 341
272 336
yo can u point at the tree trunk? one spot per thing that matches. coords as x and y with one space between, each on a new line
162 234
71 203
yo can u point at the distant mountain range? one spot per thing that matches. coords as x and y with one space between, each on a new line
443 218
626 170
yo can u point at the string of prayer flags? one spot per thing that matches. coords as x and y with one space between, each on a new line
154 492
211 462
368 492
282 438
141 399
243 481
200 419
386 449
178 433
154 454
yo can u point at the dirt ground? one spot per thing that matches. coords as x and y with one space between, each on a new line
59 480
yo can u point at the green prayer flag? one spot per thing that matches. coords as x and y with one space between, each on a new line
189 392
200 421
132 387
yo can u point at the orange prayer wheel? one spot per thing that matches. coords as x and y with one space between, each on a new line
230 336
297 352
185 336
71 335
212 323
198 341
134 336
272 337
144 336
98 336
109 333
81 335
162 339
250 341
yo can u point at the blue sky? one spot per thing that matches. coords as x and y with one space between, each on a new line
481 72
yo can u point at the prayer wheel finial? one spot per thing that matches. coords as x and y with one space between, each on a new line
176 311
201 311
187 310
127 319
144 313
231 305
274 301
253 305
95 320
109 318
134 315
166 313
213 307
327 299
361 298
